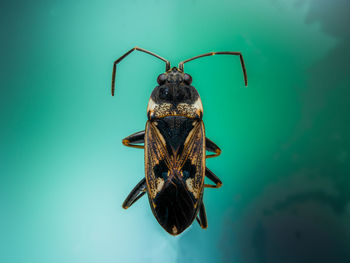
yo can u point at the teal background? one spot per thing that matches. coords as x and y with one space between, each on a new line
285 138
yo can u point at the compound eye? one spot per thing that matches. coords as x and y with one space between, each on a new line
187 79
161 79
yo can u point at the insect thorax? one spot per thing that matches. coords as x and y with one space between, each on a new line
175 100
167 109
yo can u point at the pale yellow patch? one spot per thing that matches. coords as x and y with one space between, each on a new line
151 105
174 230
160 183
198 105
156 187
191 188
161 110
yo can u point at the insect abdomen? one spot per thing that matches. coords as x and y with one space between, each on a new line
174 206
175 165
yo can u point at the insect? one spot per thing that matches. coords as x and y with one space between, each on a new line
175 148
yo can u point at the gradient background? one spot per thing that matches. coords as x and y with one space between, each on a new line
285 139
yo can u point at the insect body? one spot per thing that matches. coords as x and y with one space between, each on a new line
175 149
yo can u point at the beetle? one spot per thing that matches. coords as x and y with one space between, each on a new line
175 148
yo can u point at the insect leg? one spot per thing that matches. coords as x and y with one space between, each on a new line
137 137
213 178
202 219
212 147
136 193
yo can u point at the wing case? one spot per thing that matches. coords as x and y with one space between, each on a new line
174 168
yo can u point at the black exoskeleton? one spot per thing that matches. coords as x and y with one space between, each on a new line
175 149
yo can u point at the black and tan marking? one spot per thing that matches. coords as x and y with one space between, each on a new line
175 148
174 97
175 167
178 131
